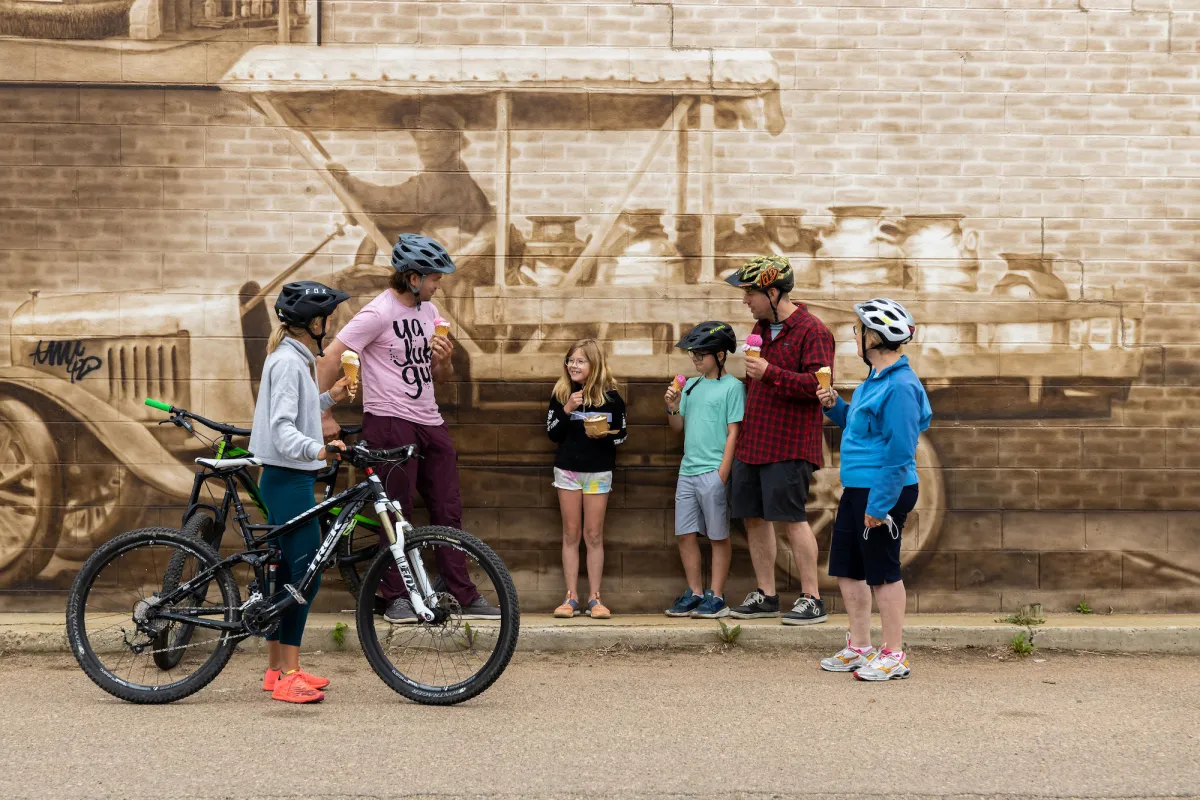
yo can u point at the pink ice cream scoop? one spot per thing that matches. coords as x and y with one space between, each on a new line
441 326
753 345
680 381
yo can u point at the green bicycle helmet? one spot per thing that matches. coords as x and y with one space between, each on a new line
763 273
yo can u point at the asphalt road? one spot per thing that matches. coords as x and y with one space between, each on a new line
627 725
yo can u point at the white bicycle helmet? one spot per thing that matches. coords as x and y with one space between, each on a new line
889 319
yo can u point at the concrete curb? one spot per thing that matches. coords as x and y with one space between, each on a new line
46 633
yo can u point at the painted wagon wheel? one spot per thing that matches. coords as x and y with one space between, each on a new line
30 492
826 490
92 499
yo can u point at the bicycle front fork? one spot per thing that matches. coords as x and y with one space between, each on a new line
412 568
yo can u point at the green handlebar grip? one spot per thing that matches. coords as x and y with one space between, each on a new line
158 405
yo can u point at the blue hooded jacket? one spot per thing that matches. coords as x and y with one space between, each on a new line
882 421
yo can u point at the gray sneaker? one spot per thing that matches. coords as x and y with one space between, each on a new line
400 612
480 609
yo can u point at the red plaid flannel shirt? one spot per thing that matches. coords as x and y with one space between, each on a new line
783 418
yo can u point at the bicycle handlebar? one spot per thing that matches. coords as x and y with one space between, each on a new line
183 413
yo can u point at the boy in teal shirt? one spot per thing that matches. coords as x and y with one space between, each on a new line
708 410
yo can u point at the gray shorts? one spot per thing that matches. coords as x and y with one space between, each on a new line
701 506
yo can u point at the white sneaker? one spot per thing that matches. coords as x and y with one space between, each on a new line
885 667
847 659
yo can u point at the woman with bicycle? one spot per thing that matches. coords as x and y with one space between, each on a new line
287 439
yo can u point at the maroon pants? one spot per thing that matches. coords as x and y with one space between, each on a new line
435 476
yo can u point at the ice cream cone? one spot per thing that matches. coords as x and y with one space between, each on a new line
441 327
753 346
680 382
825 377
350 368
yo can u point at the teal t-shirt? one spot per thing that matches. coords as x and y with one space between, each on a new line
708 407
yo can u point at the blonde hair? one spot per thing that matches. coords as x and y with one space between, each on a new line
599 380
279 334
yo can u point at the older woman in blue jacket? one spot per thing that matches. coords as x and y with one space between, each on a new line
881 423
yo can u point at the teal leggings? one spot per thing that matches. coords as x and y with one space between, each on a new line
288 494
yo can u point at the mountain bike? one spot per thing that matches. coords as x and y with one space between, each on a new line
118 606
208 521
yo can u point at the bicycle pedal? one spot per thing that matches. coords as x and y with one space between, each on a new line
295 593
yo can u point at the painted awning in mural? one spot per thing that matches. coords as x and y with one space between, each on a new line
283 68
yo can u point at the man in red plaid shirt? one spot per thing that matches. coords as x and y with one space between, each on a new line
780 444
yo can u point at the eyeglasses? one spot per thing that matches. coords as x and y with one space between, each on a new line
577 362
698 356
857 330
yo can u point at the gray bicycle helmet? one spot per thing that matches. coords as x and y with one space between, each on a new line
422 255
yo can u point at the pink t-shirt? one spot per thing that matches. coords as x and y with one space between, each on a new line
392 342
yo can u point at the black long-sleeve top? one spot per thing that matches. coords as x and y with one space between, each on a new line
577 451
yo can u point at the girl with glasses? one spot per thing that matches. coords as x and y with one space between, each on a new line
587 421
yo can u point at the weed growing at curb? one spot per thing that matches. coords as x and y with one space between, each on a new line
1083 607
1027 617
338 634
1022 644
729 635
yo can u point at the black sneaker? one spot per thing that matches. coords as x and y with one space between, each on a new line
808 610
757 605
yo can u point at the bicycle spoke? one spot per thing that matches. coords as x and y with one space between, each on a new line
120 616
450 653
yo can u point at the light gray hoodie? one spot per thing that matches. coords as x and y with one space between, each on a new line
287 418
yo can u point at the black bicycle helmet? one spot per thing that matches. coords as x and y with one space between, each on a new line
302 302
710 337
422 255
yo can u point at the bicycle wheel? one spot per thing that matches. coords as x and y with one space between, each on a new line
355 553
170 645
451 659
112 630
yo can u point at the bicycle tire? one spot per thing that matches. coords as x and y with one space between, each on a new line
506 602
77 628
169 653
349 559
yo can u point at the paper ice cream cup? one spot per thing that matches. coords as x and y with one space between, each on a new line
596 424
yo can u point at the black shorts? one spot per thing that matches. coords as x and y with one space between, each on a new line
875 559
775 492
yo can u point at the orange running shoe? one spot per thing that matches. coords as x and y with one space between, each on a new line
597 610
292 688
315 681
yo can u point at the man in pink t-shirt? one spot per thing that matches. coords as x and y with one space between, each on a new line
401 355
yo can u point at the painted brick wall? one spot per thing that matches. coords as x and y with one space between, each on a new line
1066 131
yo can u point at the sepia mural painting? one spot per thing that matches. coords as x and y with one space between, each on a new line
154 205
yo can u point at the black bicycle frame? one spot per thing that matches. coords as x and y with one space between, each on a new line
352 500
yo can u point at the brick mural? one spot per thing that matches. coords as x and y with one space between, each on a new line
1023 174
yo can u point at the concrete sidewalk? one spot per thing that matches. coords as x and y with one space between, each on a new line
1116 633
